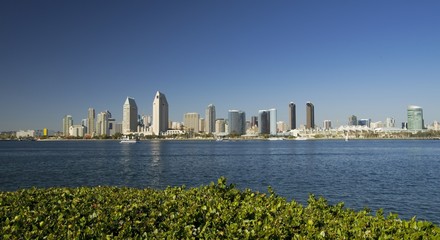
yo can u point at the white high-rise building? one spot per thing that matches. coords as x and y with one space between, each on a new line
160 114
327 124
220 125
273 121
102 126
210 119
67 123
129 116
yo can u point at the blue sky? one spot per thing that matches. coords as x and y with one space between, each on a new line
367 58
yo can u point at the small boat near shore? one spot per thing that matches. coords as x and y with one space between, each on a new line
127 139
301 138
275 139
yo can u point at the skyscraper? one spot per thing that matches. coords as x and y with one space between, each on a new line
310 113
237 122
67 123
415 118
91 121
273 121
327 124
220 125
292 116
352 120
191 122
254 121
263 122
102 123
129 116
210 119
160 113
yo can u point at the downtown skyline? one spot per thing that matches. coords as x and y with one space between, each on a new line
369 59
133 121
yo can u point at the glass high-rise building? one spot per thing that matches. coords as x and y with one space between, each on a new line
263 122
292 116
310 113
210 119
352 120
254 121
160 113
237 122
129 116
415 118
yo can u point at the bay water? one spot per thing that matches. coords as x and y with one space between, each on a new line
399 176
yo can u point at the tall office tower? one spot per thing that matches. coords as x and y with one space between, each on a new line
292 116
391 123
327 124
91 121
237 122
129 116
146 120
202 126
160 113
263 122
352 120
111 126
67 123
273 121
415 118
220 125
254 121
310 113
84 122
191 122
102 127
210 119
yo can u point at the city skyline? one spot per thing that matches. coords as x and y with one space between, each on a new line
368 59
132 116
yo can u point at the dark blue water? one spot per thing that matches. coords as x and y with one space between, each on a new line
399 176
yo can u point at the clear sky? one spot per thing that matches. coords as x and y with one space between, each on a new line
367 58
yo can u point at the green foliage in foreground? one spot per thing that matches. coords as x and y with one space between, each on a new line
214 211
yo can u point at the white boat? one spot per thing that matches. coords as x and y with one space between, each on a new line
275 138
127 139
301 138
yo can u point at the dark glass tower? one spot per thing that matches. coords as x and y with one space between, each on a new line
310 111
292 116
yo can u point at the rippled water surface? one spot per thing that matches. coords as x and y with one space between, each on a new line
398 176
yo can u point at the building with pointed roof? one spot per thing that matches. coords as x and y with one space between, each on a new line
160 114
129 116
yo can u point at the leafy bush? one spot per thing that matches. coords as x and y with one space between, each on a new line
214 211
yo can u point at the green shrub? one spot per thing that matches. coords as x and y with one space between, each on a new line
214 211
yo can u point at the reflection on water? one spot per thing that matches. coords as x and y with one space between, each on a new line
154 166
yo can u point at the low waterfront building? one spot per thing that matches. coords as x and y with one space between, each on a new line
77 131
25 134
